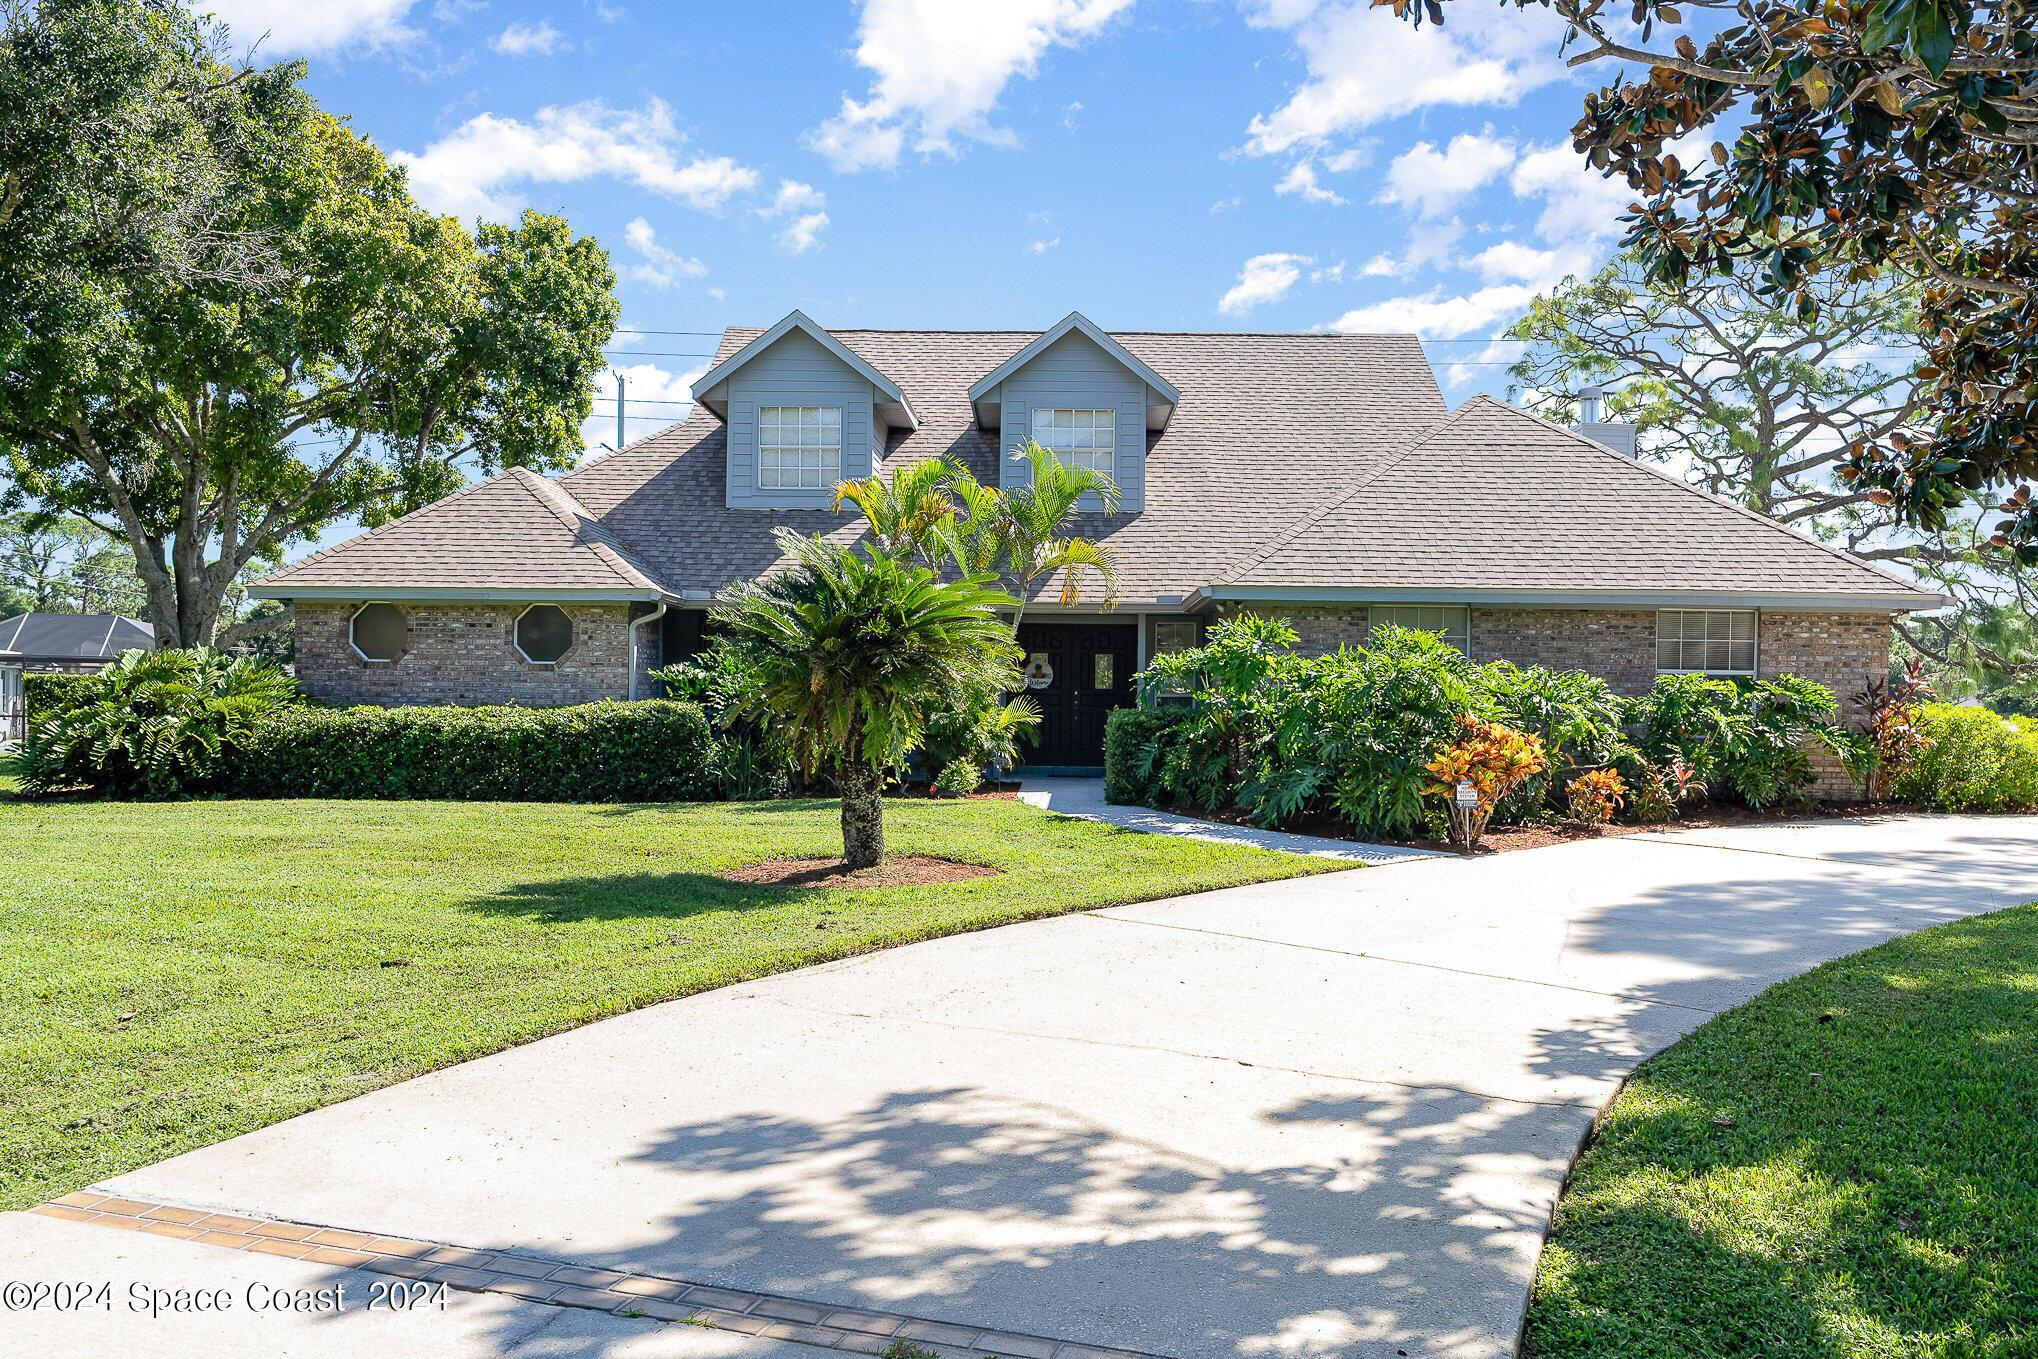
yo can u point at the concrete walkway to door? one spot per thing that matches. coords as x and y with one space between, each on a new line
1324 1117
1084 797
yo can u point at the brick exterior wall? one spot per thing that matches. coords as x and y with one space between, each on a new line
1617 646
1842 651
463 654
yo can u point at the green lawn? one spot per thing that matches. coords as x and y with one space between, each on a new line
1845 1166
176 973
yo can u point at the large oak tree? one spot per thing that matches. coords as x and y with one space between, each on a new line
1898 131
225 324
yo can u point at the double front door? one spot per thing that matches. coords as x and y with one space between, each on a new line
1077 673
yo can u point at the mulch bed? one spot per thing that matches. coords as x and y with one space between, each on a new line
986 792
1505 839
905 870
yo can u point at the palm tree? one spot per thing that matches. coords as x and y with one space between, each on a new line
1032 547
939 513
849 652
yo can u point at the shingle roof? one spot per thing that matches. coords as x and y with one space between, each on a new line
73 636
516 531
1497 499
1293 462
1265 423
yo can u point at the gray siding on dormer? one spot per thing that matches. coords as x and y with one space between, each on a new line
1074 374
796 371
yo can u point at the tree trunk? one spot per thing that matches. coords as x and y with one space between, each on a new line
863 814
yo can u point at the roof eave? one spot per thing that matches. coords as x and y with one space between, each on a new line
449 594
1783 601
893 395
980 391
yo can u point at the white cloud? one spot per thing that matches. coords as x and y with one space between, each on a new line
523 39
1433 182
1264 278
470 171
314 27
793 196
802 203
1364 66
803 234
1042 247
454 11
1301 179
1227 204
652 399
940 67
662 267
1511 260
1436 316
1577 199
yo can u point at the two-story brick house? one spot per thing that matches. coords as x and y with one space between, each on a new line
1318 476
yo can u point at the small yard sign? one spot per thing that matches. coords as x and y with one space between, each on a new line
1468 796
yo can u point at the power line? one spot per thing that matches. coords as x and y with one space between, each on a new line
659 354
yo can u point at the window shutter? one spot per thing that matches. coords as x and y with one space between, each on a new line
1130 464
1013 468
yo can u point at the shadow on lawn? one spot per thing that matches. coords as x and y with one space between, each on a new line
626 896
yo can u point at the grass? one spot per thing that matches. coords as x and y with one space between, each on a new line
176 973
1844 1167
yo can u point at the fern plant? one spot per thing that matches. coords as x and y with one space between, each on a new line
153 724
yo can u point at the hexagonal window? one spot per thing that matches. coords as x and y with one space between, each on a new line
544 633
379 632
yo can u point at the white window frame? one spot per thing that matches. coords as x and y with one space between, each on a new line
355 647
776 450
1046 421
1378 616
1753 641
517 644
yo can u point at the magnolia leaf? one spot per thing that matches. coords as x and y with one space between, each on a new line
1887 95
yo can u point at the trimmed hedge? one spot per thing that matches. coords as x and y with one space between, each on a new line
657 751
42 695
1127 733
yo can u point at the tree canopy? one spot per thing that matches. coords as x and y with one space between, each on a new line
225 322
1901 131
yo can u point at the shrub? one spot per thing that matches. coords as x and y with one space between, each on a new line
1893 740
658 751
1378 717
1592 798
1494 759
1974 760
1135 746
752 761
42 695
153 724
1746 735
1648 794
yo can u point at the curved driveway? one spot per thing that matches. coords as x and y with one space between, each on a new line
1320 1117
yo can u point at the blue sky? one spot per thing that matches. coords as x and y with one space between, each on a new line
1157 164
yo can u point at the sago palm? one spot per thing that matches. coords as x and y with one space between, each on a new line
849 652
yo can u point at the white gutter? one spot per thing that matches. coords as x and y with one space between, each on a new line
636 623
1780 601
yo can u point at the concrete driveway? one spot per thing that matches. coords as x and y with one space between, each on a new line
1313 1118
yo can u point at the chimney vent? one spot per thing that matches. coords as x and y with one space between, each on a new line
1618 435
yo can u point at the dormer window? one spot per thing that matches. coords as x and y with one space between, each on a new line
1080 438
799 448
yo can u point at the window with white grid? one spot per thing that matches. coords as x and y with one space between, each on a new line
1455 623
1080 438
1705 641
799 448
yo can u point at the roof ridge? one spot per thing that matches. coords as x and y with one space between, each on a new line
576 517
1258 555
1688 488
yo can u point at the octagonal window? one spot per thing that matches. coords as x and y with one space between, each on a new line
544 632
379 632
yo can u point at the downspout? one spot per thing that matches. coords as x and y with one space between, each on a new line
636 623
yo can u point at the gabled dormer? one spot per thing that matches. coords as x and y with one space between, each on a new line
803 412
1076 390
